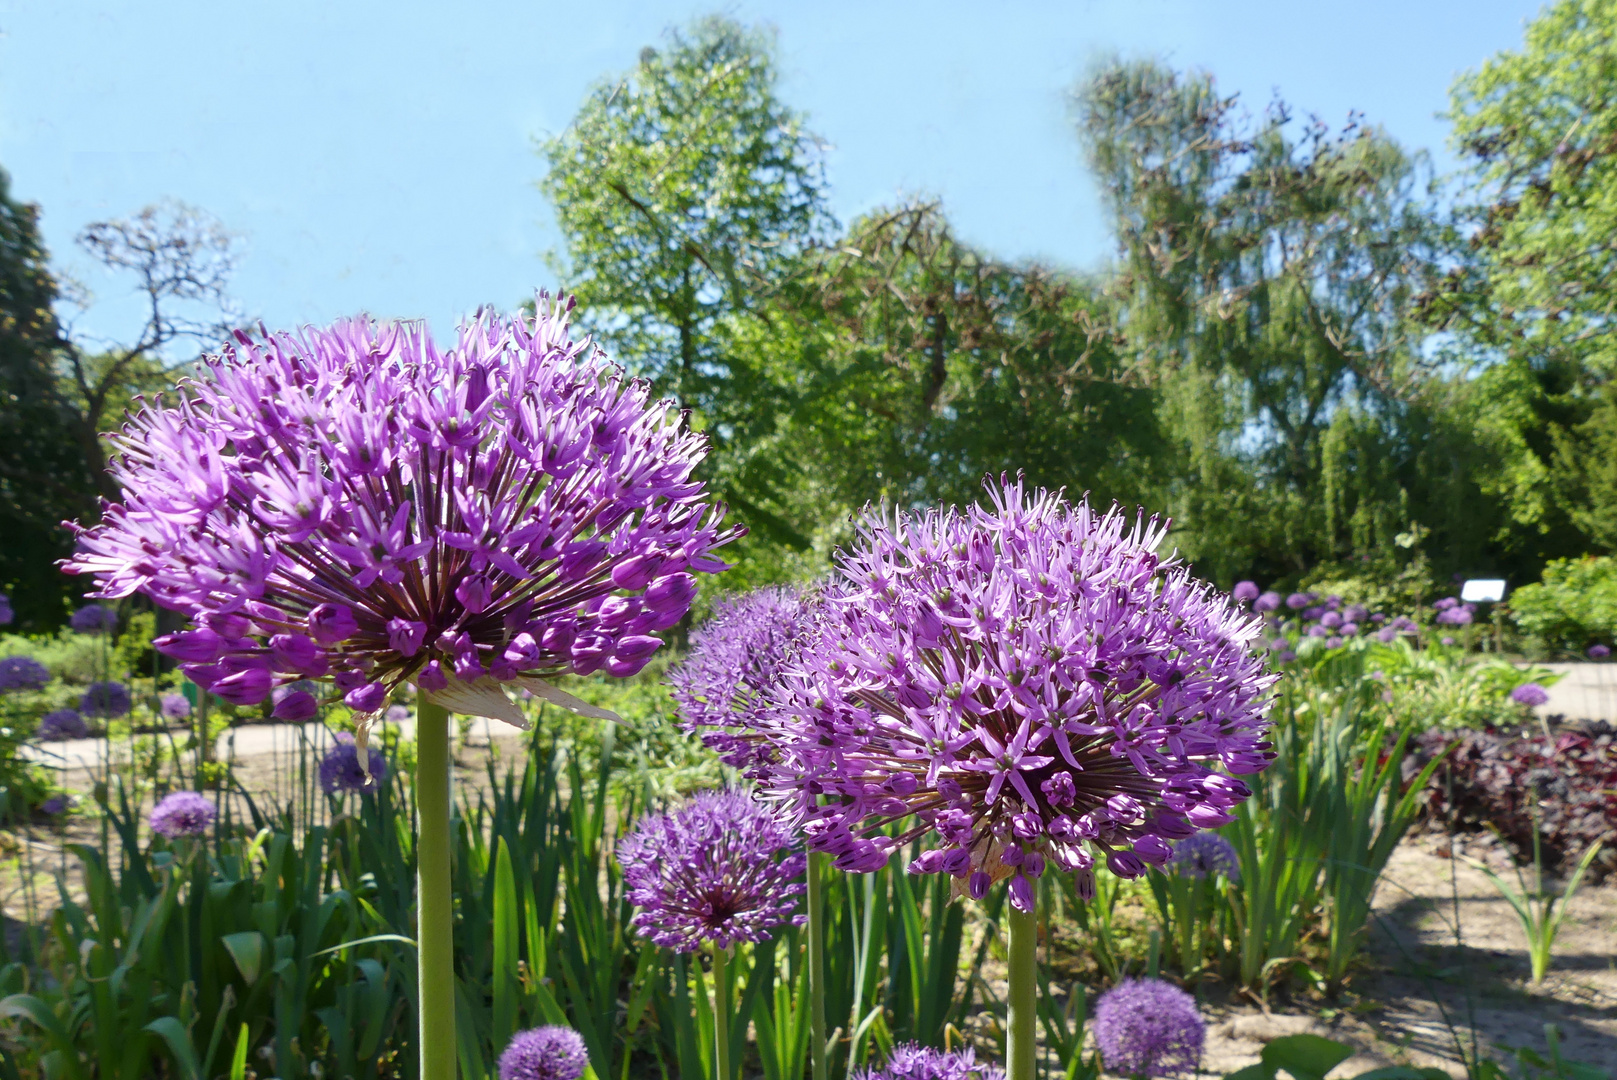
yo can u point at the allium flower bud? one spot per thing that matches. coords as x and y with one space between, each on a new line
718 870
352 499
1073 650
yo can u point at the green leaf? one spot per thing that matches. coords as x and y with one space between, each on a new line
247 950
179 1044
1306 1057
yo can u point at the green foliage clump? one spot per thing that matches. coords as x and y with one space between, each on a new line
1573 606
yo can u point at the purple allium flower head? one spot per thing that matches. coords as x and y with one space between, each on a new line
1287 657
94 619
396 714
183 813
6 614
1446 641
60 724
1446 604
1317 630
22 673
1245 592
359 502
1311 613
544 1053
1530 694
1330 620
1148 1028
1206 853
1298 600
912 1061
340 769
738 654
1269 601
1348 629
1387 635
56 805
176 706
106 699
717 869
1333 642
1031 681
1599 652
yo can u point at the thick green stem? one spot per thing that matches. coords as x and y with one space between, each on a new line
435 912
821 1068
1021 1057
721 1015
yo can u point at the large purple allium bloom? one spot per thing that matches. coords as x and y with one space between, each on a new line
544 1053
106 700
183 813
912 1061
94 619
738 654
1204 855
175 707
1530 694
22 673
1148 1028
61 724
1031 682
355 502
718 870
340 769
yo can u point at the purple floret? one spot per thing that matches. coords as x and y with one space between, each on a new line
1205 854
1530 694
106 700
183 813
61 724
340 768
544 1053
22 673
912 1061
360 504
738 654
719 869
972 669
94 619
1148 1028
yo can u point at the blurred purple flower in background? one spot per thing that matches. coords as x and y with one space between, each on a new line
22 673
1298 600
1269 601
61 724
1460 615
175 706
56 805
340 769
6 614
719 869
1148 1028
183 813
544 1053
94 619
1205 854
912 1061
1530 694
1599 652
1245 592
356 502
1032 681
107 700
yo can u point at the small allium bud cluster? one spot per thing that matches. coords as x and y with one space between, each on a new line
183 813
1031 682
719 869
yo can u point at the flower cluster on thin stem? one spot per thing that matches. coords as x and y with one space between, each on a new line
718 870
354 503
1030 682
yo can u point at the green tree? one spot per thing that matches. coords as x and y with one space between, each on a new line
1264 275
44 477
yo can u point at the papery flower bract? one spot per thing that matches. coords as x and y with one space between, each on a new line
183 813
175 706
22 673
1148 1028
94 619
1530 694
718 870
1205 854
60 724
1032 682
737 654
340 769
354 502
544 1053
912 1061
106 699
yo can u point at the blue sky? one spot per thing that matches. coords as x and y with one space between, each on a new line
379 156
